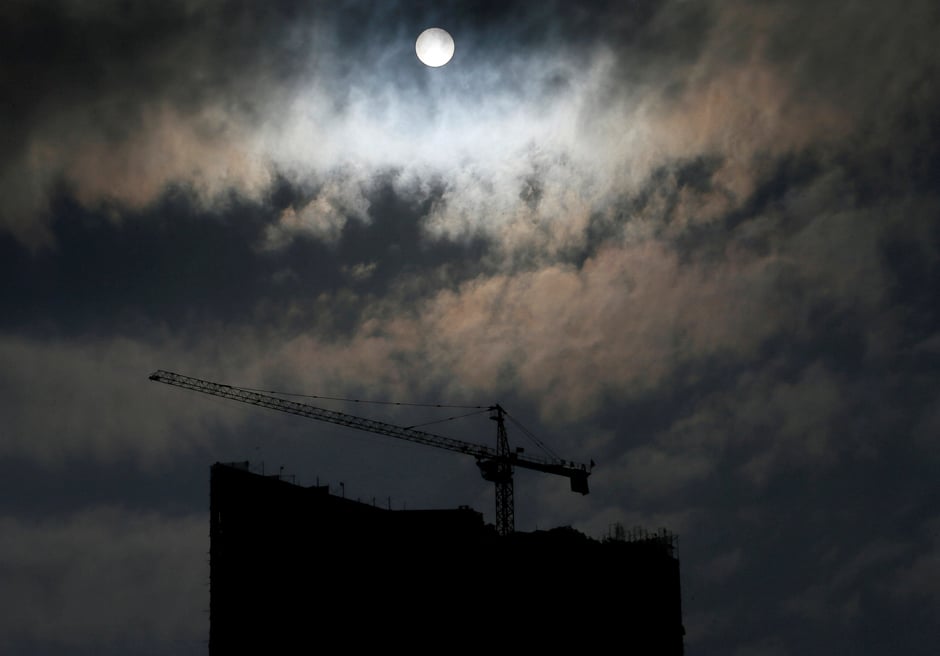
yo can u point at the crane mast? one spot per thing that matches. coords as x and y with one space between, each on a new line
496 465
505 503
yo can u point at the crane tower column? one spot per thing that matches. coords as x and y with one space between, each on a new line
505 504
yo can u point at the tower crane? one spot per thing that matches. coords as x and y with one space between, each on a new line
496 465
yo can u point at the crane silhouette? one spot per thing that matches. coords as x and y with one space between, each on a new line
496 465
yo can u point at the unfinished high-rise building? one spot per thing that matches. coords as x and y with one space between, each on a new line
297 568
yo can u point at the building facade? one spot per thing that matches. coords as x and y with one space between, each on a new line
297 568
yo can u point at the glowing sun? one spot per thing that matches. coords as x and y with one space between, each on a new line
434 47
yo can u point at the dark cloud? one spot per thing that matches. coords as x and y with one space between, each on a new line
183 267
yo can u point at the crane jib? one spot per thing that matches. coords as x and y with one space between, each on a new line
495 464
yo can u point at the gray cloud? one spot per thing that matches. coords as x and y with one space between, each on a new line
694 241
105 576
302 111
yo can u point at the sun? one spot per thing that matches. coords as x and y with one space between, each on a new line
434 47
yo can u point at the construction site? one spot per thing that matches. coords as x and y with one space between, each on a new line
293 566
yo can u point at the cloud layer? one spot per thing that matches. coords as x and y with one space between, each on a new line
694 241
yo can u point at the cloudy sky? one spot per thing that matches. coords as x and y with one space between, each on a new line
696 242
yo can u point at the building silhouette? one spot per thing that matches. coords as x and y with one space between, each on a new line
298 569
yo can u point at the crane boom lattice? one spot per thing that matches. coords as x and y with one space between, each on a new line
496 465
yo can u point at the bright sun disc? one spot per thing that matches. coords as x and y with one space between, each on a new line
434 47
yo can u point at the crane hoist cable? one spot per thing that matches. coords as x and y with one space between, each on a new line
539 443
479 409
441 421
337 398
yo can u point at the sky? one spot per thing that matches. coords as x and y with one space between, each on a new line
695 242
